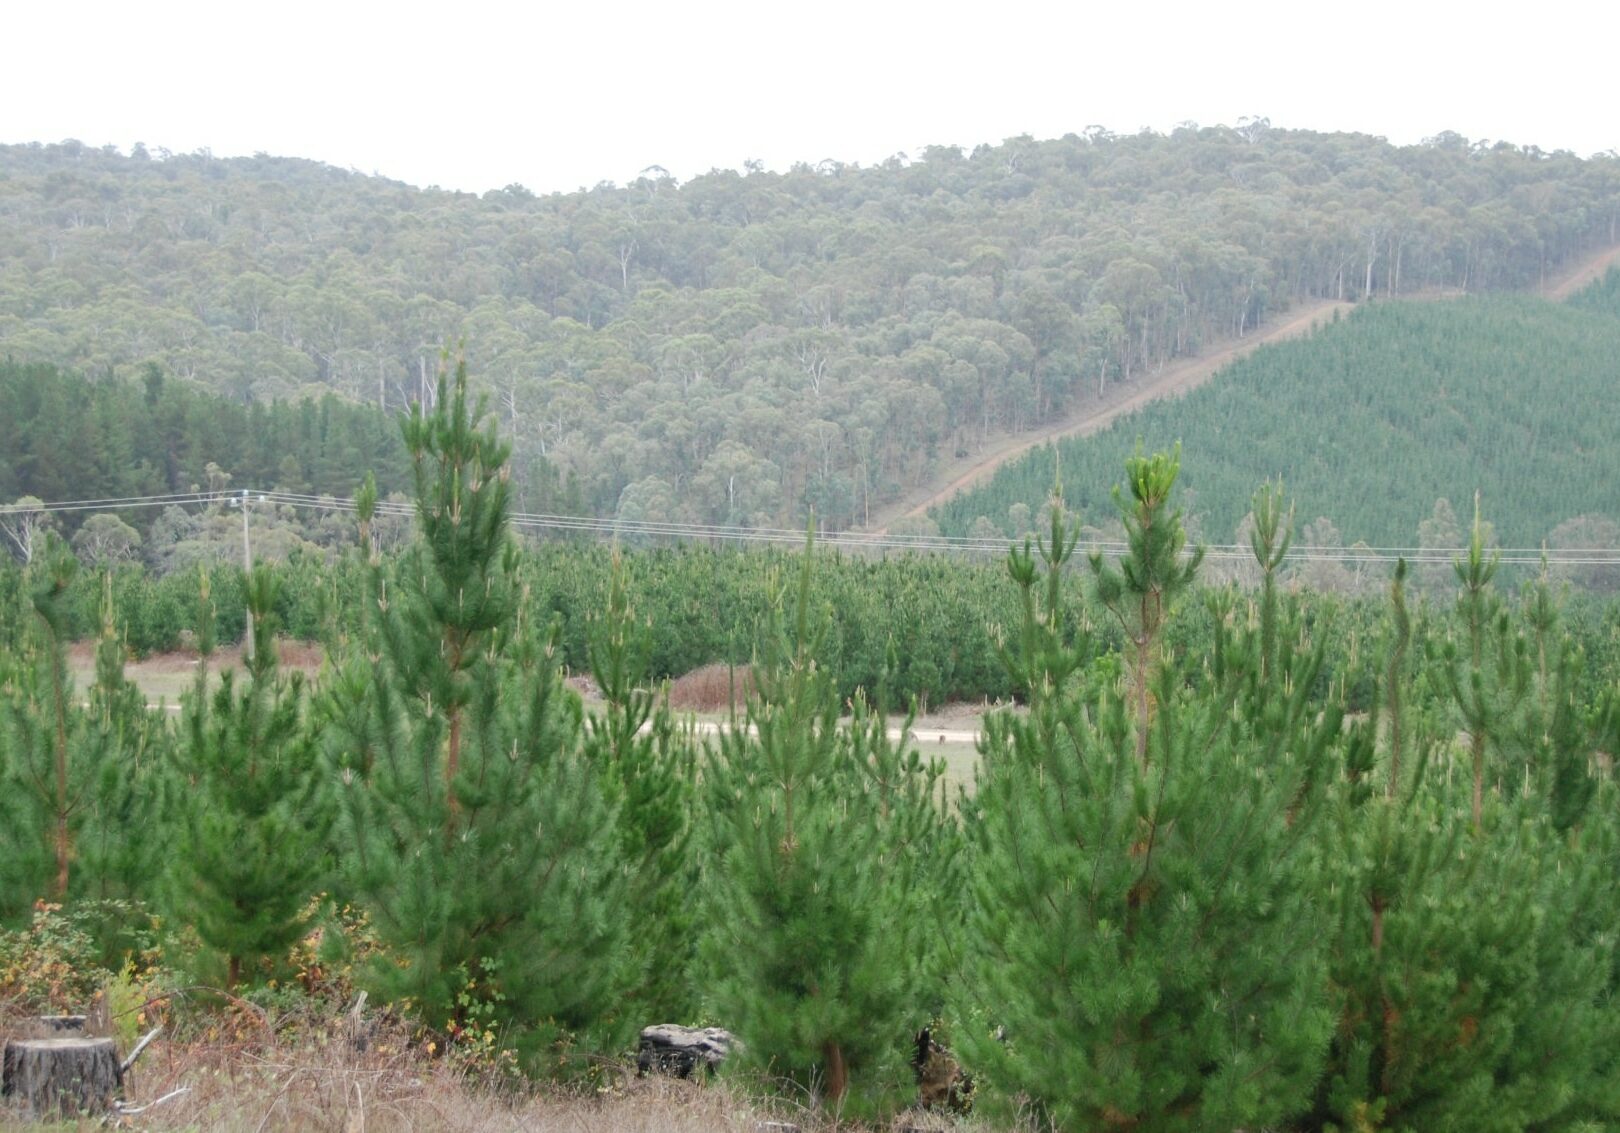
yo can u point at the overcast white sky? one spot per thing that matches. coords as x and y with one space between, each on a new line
476 95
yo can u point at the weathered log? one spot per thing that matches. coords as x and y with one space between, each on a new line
60 1077
671 1049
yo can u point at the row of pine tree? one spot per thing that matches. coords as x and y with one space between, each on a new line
1190 891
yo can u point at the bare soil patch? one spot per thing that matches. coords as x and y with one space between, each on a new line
164 676
1562 285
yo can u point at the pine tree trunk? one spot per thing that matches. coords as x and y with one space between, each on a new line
62 839
452 766
60 1077
837 1072
1478 744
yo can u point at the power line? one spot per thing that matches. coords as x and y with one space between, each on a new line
846 540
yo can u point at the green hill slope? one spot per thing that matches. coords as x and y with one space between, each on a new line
739 347
1374 418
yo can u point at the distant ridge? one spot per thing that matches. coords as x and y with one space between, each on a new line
745 348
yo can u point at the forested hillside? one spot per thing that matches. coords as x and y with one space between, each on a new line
1374 419
740 346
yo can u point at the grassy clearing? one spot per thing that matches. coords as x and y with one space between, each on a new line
164 677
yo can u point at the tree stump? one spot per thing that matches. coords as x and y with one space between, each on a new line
60 1077
672 1049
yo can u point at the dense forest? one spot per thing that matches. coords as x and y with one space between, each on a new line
1256 881
1383 425
743 346
70 437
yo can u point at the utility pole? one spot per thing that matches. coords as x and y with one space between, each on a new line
242 501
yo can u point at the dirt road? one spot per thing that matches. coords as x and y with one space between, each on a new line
1565 283
1179 377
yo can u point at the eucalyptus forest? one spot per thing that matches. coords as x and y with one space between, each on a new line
745 346
330 722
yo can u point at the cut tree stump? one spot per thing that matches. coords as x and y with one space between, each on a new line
60 1077
669 1048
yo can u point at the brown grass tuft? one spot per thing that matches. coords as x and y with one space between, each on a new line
711 688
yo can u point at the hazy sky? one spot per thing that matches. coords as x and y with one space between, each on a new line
475 95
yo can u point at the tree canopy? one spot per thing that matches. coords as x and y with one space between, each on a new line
764 343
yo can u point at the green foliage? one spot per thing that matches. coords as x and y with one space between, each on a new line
1601 297
710 605
1141 592
1370 420
76 780
1351 868
474 831
254 812
126 836
826 846
1270 539
1142 923
75 438
649 771
1474 955
763 342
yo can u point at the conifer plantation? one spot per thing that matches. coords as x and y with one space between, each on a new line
1231 859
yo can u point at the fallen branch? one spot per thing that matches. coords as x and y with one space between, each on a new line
139 1047
134 1109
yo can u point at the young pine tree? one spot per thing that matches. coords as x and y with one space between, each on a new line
63 766
819 892
1143 929
255 814
1490 676
125 841
1142 591
648 767
474 830
1474 947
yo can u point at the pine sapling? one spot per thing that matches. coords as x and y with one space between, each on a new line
1142 591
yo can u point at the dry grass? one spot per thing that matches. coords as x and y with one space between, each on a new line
247 1082
330 1086
713 688
237 1070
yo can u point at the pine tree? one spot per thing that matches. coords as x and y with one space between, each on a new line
649 769
1269 539
124 842
821 844
255 815
1142 928
1490 682
1474 953
1142 591
53 764
474 831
